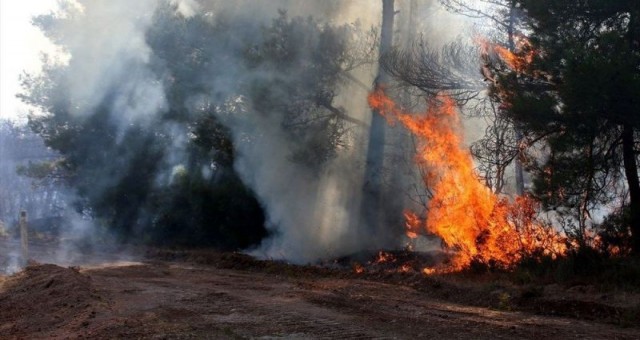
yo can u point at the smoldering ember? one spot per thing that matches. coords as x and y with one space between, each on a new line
306 169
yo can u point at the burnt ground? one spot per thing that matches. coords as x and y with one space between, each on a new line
231 296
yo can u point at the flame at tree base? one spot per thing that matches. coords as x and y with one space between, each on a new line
473 222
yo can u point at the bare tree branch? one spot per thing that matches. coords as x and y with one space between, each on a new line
450 70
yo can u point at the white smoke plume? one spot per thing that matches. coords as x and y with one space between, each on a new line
312 215
109 56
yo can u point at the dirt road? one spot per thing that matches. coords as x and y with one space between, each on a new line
180 300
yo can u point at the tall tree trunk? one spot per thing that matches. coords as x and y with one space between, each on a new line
518 132
631 171
400 146
372 211
628 143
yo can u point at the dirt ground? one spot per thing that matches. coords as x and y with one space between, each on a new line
191 300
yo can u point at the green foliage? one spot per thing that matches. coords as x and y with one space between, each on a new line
303 62
614 233
587 265
584 266
579 100
192 212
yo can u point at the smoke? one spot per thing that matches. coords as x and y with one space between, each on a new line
102 48
186 8
110 57
316 215
310 213
313 213
332 11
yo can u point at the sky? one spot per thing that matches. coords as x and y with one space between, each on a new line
21 45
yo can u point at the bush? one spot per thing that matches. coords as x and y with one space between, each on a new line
194 212
581 266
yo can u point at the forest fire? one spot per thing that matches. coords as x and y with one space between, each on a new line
516 60
474 223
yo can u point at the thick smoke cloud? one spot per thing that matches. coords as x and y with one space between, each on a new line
110 57
312 213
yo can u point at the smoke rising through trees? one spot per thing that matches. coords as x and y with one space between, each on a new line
183 121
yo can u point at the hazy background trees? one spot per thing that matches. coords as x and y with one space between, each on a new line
41 193
168 177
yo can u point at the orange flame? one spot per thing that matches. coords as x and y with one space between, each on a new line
384 257
472 221
428 271
516 60
405 268
412 224
358 268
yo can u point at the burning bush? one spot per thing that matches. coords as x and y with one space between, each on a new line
474 223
